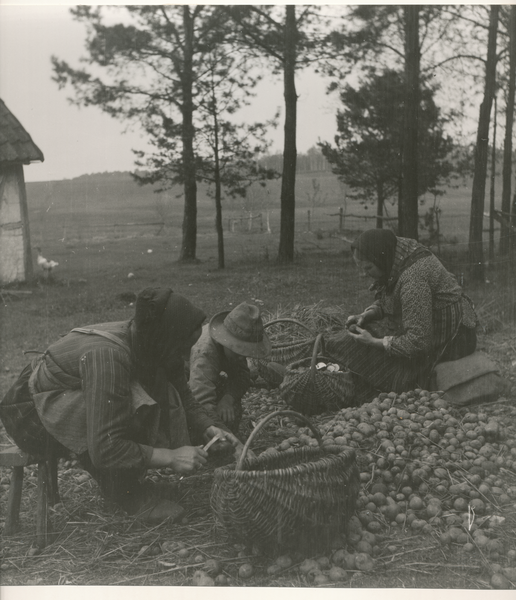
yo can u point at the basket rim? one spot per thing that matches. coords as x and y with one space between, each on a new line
333 450
287 345
302 361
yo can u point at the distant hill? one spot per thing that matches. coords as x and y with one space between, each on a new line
102 189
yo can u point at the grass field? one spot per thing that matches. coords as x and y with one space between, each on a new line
91 285
110 206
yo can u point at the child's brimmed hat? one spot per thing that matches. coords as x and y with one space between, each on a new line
241 330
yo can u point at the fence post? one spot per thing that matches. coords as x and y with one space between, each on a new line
341 219
308 218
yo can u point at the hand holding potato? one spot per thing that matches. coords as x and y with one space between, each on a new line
370 314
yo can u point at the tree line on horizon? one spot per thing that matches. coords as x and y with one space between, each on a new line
404 75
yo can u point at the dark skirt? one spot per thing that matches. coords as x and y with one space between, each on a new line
376 371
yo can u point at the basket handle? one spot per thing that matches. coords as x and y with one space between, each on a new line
291 413
318 341
288 320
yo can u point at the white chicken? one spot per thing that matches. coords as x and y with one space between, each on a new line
45 264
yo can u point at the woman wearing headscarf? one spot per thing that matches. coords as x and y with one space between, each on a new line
420 317
115 394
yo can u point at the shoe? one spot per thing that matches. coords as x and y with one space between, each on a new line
159 510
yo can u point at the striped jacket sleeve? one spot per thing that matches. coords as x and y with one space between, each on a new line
105 375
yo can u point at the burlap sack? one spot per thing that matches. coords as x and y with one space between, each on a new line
469 380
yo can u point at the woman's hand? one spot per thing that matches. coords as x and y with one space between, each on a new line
364 337
366 317
182 460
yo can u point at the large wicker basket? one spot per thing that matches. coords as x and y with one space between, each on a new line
312 391
296 498
283 351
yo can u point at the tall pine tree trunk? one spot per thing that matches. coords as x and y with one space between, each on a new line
288 182
379 206
188 245
476 250
492 189
218 195
505 231
408 209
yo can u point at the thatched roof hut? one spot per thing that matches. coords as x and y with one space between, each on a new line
16 149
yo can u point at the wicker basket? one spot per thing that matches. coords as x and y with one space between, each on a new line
284 353
303 496
312 391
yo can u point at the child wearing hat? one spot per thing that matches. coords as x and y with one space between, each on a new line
219 374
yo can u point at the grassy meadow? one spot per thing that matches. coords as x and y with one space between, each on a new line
110 206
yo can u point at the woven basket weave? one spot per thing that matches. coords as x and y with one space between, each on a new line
311 391
300 496
285 353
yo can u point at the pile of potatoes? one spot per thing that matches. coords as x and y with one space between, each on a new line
426 467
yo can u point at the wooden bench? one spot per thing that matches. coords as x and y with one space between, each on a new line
47 491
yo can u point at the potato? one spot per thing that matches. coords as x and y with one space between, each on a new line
273 569
221 579
284 562
367 536
308 565
364 562
245 571
337 574
338 557
494 547
510 573
213 567
323 562
201 578
416 503
321 579
364 547
500 582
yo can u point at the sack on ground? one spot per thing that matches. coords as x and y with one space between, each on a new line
469 380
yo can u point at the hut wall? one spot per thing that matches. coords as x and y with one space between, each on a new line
15 250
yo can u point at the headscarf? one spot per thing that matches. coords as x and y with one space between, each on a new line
377 246
164 322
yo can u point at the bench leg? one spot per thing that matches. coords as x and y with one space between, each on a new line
53 494
14 501
43 523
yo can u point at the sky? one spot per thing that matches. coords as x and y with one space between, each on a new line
76 141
